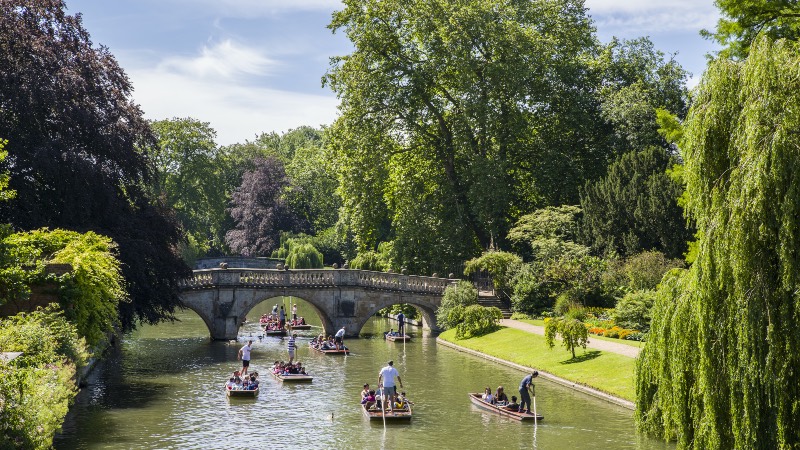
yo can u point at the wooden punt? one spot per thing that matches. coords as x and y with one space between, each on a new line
299 327
397 338
293 378
241 393
344 351
396 416
275 332
477 401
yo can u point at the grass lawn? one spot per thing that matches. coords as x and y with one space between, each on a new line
540 323
607 372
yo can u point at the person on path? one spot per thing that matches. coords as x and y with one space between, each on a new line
244 355
525 387
294 313
386 380
401 318
291 346
282 318
338 340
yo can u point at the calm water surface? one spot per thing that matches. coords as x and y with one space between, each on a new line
163 389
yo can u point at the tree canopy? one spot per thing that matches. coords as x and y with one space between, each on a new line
722 367
743 20
66 111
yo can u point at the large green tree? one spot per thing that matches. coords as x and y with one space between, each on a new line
190 174
722 367
439 103
635 207
743 20
65 107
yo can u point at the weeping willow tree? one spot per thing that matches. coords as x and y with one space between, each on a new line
722 367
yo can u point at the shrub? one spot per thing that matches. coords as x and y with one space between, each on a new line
501 267
455 299
37 387
477 320
520 316
634 310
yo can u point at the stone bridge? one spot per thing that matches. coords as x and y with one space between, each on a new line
341 297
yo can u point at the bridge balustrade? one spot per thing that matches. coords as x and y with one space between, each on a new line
209 278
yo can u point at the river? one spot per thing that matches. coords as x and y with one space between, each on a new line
163 389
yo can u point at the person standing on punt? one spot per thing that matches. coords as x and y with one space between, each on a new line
338 340
282 318
524 387
294 313
291 346
386 379
401 318
244 355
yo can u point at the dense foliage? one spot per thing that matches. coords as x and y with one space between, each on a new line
454 301
73 133
635 207
476 320
304 256
89 293
722 367
260 210
37 387
573 332
743 20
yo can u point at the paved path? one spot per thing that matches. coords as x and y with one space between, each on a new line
597 344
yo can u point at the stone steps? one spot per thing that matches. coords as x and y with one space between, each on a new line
487 301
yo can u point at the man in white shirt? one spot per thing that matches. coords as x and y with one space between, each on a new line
338 339
386 379
244 355
291 346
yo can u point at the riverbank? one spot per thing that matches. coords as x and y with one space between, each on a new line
602 374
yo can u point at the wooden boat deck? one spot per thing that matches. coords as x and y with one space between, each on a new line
477 401
396 416
397 338
241 393
331 352
293 378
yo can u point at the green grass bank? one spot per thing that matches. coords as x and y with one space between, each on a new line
606 372
639 344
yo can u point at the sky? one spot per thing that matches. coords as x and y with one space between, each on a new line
254 66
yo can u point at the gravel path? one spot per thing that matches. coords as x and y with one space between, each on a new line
597 344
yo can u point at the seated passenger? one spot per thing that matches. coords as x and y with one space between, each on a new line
253 383
230 384
405 399
487 395
500 398
365 391
302 320
513 406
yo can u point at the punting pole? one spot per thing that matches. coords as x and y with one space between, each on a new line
535 416
383 405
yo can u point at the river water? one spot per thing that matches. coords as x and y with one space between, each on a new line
163 389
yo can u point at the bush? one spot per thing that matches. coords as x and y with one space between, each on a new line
501 267
455 299
477 320
520 316
37 387
634 310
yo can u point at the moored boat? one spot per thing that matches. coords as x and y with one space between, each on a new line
241 393
478 401
396 415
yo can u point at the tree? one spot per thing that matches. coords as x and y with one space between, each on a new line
573 332
437 124
189 171
547 233
260 210
635 207
67 110
722 366
304 256
743 20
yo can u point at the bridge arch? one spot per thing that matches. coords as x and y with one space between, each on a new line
223 297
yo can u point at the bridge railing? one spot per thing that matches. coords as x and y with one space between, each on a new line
210 278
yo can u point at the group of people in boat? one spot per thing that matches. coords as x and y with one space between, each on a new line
284 368
500 399
272 322
373 399
331 343
391 332
242 383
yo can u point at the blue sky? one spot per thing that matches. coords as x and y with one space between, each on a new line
253 66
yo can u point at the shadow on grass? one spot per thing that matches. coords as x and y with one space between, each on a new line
586 356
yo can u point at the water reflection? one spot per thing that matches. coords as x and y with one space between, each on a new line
164 389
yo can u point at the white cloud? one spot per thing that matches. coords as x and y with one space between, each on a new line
652 16
224 85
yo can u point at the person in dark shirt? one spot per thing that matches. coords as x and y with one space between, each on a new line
525 387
